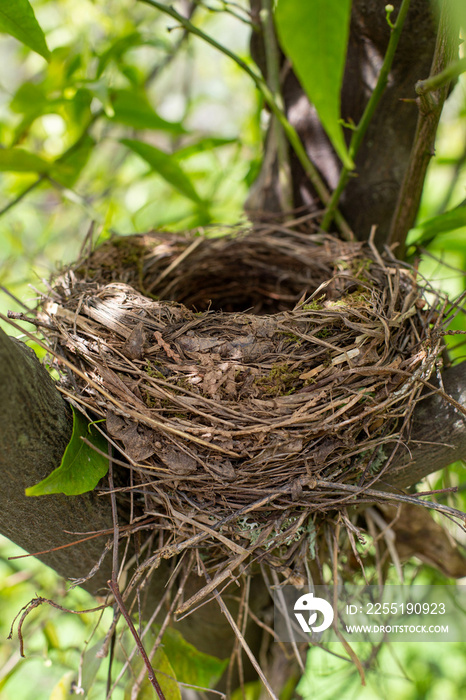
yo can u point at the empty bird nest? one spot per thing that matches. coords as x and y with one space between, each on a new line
255 383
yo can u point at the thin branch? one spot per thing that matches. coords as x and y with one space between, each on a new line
150 671
34 603
42 178
351 653
430 108
30 188
241 639
434 82
396 497
273 80
291 133
116 528
359 132
227 9
169 57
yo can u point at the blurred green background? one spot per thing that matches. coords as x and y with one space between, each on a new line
120 70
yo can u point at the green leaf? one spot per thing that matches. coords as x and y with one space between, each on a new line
166 166
68 168
81 467
132 107
29 98
314 36
444 223
18 160
17 18
206 144
119 47
123 44
90 664
190 665
165 676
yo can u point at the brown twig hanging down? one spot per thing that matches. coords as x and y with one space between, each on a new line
150 671
34 603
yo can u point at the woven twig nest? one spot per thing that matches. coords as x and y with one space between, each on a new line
252 382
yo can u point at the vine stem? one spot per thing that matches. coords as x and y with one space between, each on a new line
291 133
360 130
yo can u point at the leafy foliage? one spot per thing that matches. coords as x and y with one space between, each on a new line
166 166
115 73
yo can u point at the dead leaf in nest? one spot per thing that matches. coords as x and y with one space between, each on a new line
417 534
246 348
118 387
282 449
192 343
177 461
222 375
137 440
324 449
133 347
221 468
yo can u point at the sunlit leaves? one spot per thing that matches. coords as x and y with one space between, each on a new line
166 679
178 659
314 36
17 18
191 665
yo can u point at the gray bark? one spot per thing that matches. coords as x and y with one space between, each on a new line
438 435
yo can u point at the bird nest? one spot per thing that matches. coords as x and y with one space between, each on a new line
254 383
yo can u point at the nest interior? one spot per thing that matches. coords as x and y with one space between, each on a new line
253 382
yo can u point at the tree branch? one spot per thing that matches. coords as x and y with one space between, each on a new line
430 108
35 429
438 435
